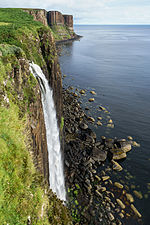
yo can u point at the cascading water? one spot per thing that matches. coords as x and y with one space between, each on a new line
56 175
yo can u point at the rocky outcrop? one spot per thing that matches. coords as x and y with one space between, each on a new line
62 25
57 18
51 18
68 21
38 14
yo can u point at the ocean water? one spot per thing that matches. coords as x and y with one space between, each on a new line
114 61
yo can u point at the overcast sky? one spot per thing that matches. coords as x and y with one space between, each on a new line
92 11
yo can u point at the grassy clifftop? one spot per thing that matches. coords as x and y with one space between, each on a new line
24 197
19 29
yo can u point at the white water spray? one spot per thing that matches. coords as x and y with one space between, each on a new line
56 175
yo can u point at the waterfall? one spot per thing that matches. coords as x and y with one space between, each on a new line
56 175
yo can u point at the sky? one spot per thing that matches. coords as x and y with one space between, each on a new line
92 11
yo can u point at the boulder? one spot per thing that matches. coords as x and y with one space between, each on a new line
135 211
99 155
116 166
125 146
118 185
93 92
135 144
110 216
93 134
130 138
118 154
102 189
105 178
99 123
110 121
120 203
102 108
89 139
130 198
110 125
103 137
99 194
83 126
91 119
138 194
109 143
75 95
82 92
91 99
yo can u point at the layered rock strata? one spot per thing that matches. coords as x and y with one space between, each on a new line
39 15
57 18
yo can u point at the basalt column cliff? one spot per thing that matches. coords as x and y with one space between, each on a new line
61 25
23 146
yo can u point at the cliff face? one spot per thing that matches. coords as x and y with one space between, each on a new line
22 130
37 44
39 15
69 21
62 25
54 18
57 18
52 69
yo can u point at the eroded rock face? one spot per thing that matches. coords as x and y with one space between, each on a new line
28 99
57 18
36 124
69 21
39 15
52 69
38 134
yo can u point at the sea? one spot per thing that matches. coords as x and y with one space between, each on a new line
114 61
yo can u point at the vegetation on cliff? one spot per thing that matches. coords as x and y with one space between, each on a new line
25 196
62 32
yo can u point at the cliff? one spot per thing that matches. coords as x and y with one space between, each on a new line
57 18
38 15
61 25
25 196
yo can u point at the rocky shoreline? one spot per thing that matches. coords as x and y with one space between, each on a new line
92 196
75 38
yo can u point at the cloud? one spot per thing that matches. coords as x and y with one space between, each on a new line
92 11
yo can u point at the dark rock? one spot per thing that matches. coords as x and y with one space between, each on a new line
97 144
109 143
118 153
89 139
67 163
99 155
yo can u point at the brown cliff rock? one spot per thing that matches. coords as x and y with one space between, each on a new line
52 70
55 18
38 14
68 21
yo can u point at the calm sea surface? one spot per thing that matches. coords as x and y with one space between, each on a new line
114 61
